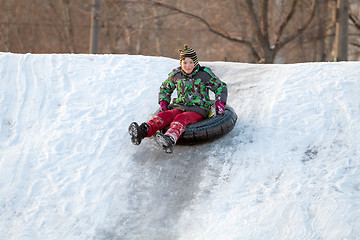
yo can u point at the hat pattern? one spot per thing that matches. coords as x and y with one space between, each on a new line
188 52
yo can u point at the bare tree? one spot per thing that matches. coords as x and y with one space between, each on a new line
341 46
230 30
94 31
8 18
159 24
259 18
68 25
316 43
262 30
355 20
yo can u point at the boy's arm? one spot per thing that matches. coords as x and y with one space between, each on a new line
217 86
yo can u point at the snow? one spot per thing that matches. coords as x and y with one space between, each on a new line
289 169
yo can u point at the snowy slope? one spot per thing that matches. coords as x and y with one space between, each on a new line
289 169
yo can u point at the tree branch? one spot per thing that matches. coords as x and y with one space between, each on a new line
355 44
286 21
255 24
279 44
264 21
355 21
222 34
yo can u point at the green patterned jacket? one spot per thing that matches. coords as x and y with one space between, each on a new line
193 90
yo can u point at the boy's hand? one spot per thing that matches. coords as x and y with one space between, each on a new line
220 107
163 106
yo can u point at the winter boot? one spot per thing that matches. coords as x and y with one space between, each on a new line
166 142
137 132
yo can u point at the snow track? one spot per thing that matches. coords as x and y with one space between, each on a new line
289 169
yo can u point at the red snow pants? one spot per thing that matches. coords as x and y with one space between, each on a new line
177 120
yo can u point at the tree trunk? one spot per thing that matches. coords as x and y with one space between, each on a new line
342 30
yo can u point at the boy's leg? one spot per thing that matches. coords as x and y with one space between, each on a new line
161 120
177 126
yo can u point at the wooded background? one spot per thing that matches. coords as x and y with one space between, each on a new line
265 31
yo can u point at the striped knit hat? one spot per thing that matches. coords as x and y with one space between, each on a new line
188 53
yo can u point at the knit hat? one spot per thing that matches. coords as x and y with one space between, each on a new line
188 53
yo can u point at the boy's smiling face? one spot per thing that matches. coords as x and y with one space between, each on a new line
187 65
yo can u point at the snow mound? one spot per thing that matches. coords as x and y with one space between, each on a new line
289 169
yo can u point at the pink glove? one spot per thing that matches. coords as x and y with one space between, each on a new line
163 106
220 107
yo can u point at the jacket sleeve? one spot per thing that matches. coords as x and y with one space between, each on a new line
167 88
217 86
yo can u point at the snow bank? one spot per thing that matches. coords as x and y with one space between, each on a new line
288 170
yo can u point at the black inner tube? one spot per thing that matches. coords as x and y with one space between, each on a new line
209 129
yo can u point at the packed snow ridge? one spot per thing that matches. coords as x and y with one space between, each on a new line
289 170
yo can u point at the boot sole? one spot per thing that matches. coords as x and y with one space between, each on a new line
165 142
134 132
